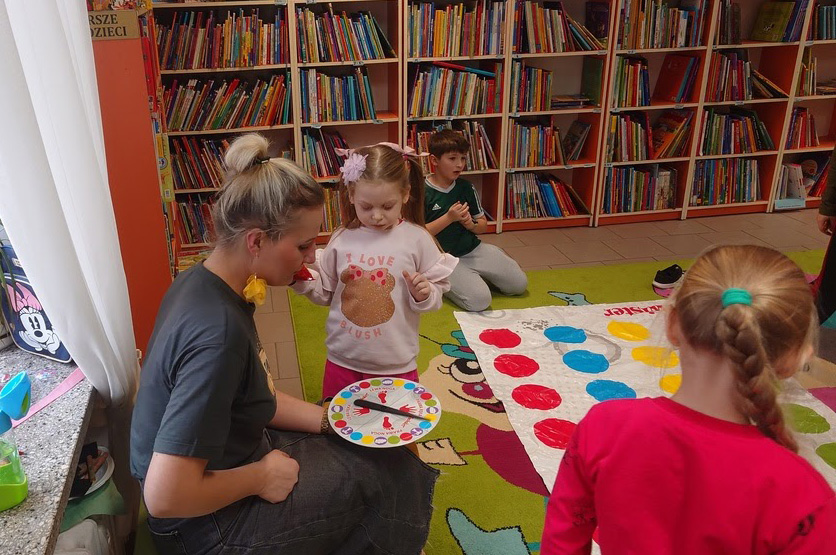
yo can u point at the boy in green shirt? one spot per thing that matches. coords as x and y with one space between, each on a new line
454 215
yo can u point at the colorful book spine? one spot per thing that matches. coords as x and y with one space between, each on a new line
733 131
802 131
336 98
725 181
330 37
533 145
637 189
440 91
538 29
455 29
654 24
197 163
202 40
331 210
194 219
629 138
530 195
824 23
530 88
631 85
319 156
480 156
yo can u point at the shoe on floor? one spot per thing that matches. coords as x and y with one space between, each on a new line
669 277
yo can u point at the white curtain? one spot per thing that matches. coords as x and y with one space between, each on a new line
54 198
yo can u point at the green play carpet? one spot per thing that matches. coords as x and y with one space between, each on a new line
488 500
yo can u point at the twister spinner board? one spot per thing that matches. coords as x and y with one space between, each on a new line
372 428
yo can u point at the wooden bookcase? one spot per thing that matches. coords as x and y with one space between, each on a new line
392 82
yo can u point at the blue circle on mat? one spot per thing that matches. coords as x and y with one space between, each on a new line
602 390
356 436
585 361
409 385
565 334
345 395
425 424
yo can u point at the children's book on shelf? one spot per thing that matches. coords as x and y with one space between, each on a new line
479 157
530 88
772 21
725 181
194 225
534 145
455 29
598 20
331 210
335 37
531 195
648 24
196 40
802 130
733 130
575 139
823 26
629 137
591 79
564 101
336 97
639 188
791 191
549 28
670 133
676 78
807 75
814 169
729 29
631 86
445 89
319 155
197 163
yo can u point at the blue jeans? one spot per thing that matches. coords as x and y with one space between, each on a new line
349 500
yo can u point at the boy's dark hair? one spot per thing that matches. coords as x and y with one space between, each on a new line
447 140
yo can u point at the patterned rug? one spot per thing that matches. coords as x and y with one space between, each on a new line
489 499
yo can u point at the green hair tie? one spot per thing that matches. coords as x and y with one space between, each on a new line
736 296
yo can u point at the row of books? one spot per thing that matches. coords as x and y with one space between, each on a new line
636 189
443 89
654 24
779 21
631 83
197 40
540 29
670 134
802 131
319 155
194 223
532 145
480 155
807 75
824 23
336 98
732 77
725 181
733 131
330 37
529 195
206 104
455 29
633 139
197 163
729 30
331 211
530 88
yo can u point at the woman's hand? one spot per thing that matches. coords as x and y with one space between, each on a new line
280 475
826 224
418 286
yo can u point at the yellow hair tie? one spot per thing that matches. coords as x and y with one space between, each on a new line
256 290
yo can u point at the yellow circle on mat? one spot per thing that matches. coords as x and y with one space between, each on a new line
657 357
339 401
630 331
399 383
671 383
367 440
429 417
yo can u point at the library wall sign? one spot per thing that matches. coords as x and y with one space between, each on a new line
113 25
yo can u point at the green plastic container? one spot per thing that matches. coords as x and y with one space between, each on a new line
13 484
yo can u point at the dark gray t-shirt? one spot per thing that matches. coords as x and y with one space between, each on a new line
203 390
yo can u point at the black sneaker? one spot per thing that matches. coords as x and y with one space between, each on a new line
669 277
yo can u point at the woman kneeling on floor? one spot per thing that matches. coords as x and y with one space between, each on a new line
227 464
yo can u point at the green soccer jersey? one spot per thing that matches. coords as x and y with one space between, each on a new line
454 238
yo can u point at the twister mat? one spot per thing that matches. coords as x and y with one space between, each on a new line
549 365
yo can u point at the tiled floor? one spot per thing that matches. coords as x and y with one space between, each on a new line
565 248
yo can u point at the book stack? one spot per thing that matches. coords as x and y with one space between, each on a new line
732 77
631 82
336 98
802 132
629 138
566 101
319 156
546 30
330 37
826 88
197 163
729 30
735 131
652 24
670 134
779 21
455 29
824 23
530 88
575 139
529 195
480 157
677 78
637 189
206 104
444 89
725 181
195 219
807 76
331 210
533 145
197 40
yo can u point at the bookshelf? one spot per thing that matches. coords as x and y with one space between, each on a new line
510 72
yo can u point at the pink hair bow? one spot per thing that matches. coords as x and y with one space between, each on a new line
405 151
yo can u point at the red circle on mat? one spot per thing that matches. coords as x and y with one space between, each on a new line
554 432
502 338
533 396
516 366
364 385
426 396
406 436
340 423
